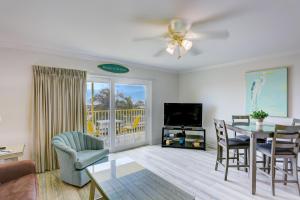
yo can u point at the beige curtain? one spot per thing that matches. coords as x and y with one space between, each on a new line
59 106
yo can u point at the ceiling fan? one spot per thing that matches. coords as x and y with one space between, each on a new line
179 38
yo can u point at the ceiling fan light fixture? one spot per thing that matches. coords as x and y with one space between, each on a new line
171 48
181 52
187 45
179 37
178 26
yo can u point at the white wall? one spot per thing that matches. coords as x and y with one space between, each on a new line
221 89
16 84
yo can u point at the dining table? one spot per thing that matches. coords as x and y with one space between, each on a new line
254 132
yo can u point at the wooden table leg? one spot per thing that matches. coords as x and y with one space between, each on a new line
253 163
92 190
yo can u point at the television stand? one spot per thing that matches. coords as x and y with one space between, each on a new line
184 137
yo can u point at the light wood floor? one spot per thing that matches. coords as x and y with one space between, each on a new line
192 170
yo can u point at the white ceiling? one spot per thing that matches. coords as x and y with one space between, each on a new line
106 28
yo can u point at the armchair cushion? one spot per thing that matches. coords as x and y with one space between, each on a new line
14 170
88 157
18 180
22 188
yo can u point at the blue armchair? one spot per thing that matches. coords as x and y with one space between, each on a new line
75 151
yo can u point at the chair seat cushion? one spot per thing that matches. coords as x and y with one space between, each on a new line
246 138
24 187
267 147
259 140
89 157
235 142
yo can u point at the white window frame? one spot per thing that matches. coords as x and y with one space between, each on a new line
148 107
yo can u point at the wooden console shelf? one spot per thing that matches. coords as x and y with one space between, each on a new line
187 138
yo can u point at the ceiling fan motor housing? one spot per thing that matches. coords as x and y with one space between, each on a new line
178 26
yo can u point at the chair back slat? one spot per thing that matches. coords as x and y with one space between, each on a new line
291 129
240 120
285 135
221 130
286 138
285 145
296 122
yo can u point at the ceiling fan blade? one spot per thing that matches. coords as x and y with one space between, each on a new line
160 53
203 35
219 17
153 21
195 51
157 37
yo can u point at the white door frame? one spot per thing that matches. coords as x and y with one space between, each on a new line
148 108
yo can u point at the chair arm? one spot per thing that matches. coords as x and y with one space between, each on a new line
15 170
71 152
94 143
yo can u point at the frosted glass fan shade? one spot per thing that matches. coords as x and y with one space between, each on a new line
171 48
187 45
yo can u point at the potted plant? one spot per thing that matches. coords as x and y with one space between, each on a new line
259 115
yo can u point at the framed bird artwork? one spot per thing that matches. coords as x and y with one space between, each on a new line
268 90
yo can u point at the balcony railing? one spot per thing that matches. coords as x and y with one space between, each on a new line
128 121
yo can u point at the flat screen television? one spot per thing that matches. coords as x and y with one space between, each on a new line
183 114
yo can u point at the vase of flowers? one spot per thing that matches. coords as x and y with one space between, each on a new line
259 115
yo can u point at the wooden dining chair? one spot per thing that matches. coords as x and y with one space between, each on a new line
241 120
244 120
296 122
224 143
284 145
296 127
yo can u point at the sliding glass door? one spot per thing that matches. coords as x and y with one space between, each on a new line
98 109
130 102
119 112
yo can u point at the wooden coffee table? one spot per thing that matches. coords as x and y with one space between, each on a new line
125 179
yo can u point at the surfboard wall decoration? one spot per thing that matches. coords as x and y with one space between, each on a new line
114 68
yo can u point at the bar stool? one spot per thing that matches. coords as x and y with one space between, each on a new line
226 144
284 145
244 120
296 122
